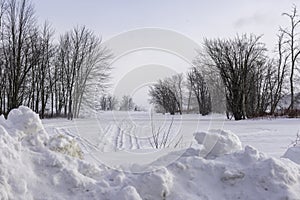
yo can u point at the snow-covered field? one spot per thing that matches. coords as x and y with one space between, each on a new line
110 156
125 131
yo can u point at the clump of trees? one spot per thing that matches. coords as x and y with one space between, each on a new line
52 79
239 71
126 103
167 95
162 95
108 102
254 83
241 62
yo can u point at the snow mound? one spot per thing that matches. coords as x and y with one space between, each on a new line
216 143
24 123
246 174
293 153
31 170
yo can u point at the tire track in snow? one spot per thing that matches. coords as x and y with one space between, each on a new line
117 137
124 138
129 135
103 138
83 142
133 137
113 137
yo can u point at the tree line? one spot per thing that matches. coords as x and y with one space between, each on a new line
168 94
56 77
239 71
110 102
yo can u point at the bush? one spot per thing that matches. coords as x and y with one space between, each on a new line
65 145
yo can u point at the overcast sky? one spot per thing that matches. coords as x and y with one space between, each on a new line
196 19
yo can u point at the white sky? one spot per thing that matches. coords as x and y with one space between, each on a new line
195 19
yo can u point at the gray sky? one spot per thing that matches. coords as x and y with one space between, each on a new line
195 19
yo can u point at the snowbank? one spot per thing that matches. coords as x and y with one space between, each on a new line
29 169
217 143
293 153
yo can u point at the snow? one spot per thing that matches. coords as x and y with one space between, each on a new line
293 153
39 162
218 142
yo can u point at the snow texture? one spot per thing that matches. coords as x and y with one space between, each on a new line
29 169
217 142
293 153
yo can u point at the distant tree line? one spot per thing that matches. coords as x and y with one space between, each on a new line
110 102
53 79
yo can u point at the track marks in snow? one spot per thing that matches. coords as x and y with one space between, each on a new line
124 136
108 135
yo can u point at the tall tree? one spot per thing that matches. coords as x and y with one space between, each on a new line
292 44
200 90
276 74
175 83
3 69
19 27
46 78
238 61
81 56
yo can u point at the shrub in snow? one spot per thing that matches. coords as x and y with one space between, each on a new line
66 145
217 142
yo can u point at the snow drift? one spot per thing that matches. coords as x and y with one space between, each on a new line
217 143
34 165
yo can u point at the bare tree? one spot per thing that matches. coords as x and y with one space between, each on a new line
276 74
19 27
126 103
162 95
292 44
175 83
200 90
213 81
238 61
95 71
84 63
3 69
103 103
112 102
